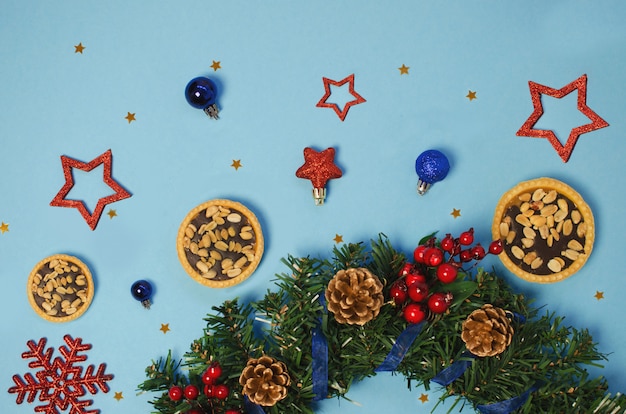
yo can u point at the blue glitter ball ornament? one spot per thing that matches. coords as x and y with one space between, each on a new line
142 291
201 93
431 166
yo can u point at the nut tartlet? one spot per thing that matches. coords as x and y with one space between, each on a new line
60 288
220 243
547 230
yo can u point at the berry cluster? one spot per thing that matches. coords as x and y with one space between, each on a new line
421 286
211 389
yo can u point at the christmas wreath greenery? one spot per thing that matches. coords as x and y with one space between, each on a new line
367 309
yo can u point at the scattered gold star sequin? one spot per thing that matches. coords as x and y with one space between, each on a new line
118 396
236 164
165 327
338 238
79 48
599 295
4 227
471 95
130 117
216 65
404 70
423 398
456 213
112 213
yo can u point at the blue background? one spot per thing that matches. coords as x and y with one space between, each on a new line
138 58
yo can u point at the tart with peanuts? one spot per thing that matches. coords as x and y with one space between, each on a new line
220 243
60 288
546 228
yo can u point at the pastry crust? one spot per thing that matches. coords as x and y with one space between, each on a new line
60 288
543 252
220 243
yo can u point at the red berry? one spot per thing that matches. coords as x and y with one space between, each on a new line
465 255
433 256
207 378
478 252
209 390
191 392
467 237
176 393
232 412
439 302
447 243
398 291
418 254
446 273
414 276
418 291
406 269
194 411
221 391
495 247
414 313
213 372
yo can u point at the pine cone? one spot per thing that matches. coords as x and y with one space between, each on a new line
265 380
354 296
487 331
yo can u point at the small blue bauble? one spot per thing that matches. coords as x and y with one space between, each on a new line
431 166
201 92
142 291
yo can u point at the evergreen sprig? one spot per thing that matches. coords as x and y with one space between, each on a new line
546 360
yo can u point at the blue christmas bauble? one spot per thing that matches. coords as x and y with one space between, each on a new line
141 290
201 92
432 166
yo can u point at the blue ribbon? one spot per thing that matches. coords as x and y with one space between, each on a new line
252 408
507 406
320 360
447 375
401 347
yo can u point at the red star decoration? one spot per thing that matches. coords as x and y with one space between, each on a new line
319 167
564 151
341 113
91 218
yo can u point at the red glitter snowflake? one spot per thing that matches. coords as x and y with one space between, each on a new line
60 383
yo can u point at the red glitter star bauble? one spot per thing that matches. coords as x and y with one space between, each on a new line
564 151
91 218
319 167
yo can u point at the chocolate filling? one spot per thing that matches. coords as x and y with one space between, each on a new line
541 245
37 289
201 219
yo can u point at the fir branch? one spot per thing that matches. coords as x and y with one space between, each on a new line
545 356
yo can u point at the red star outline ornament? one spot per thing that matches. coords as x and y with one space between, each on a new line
564 151
341 113
91 218
319 167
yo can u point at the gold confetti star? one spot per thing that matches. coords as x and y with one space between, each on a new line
112 213
338 238
79 48
4 227
236 164
423 398
456 213
404 70
471 95
216 65
118 396
165 327
599 295
130 117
